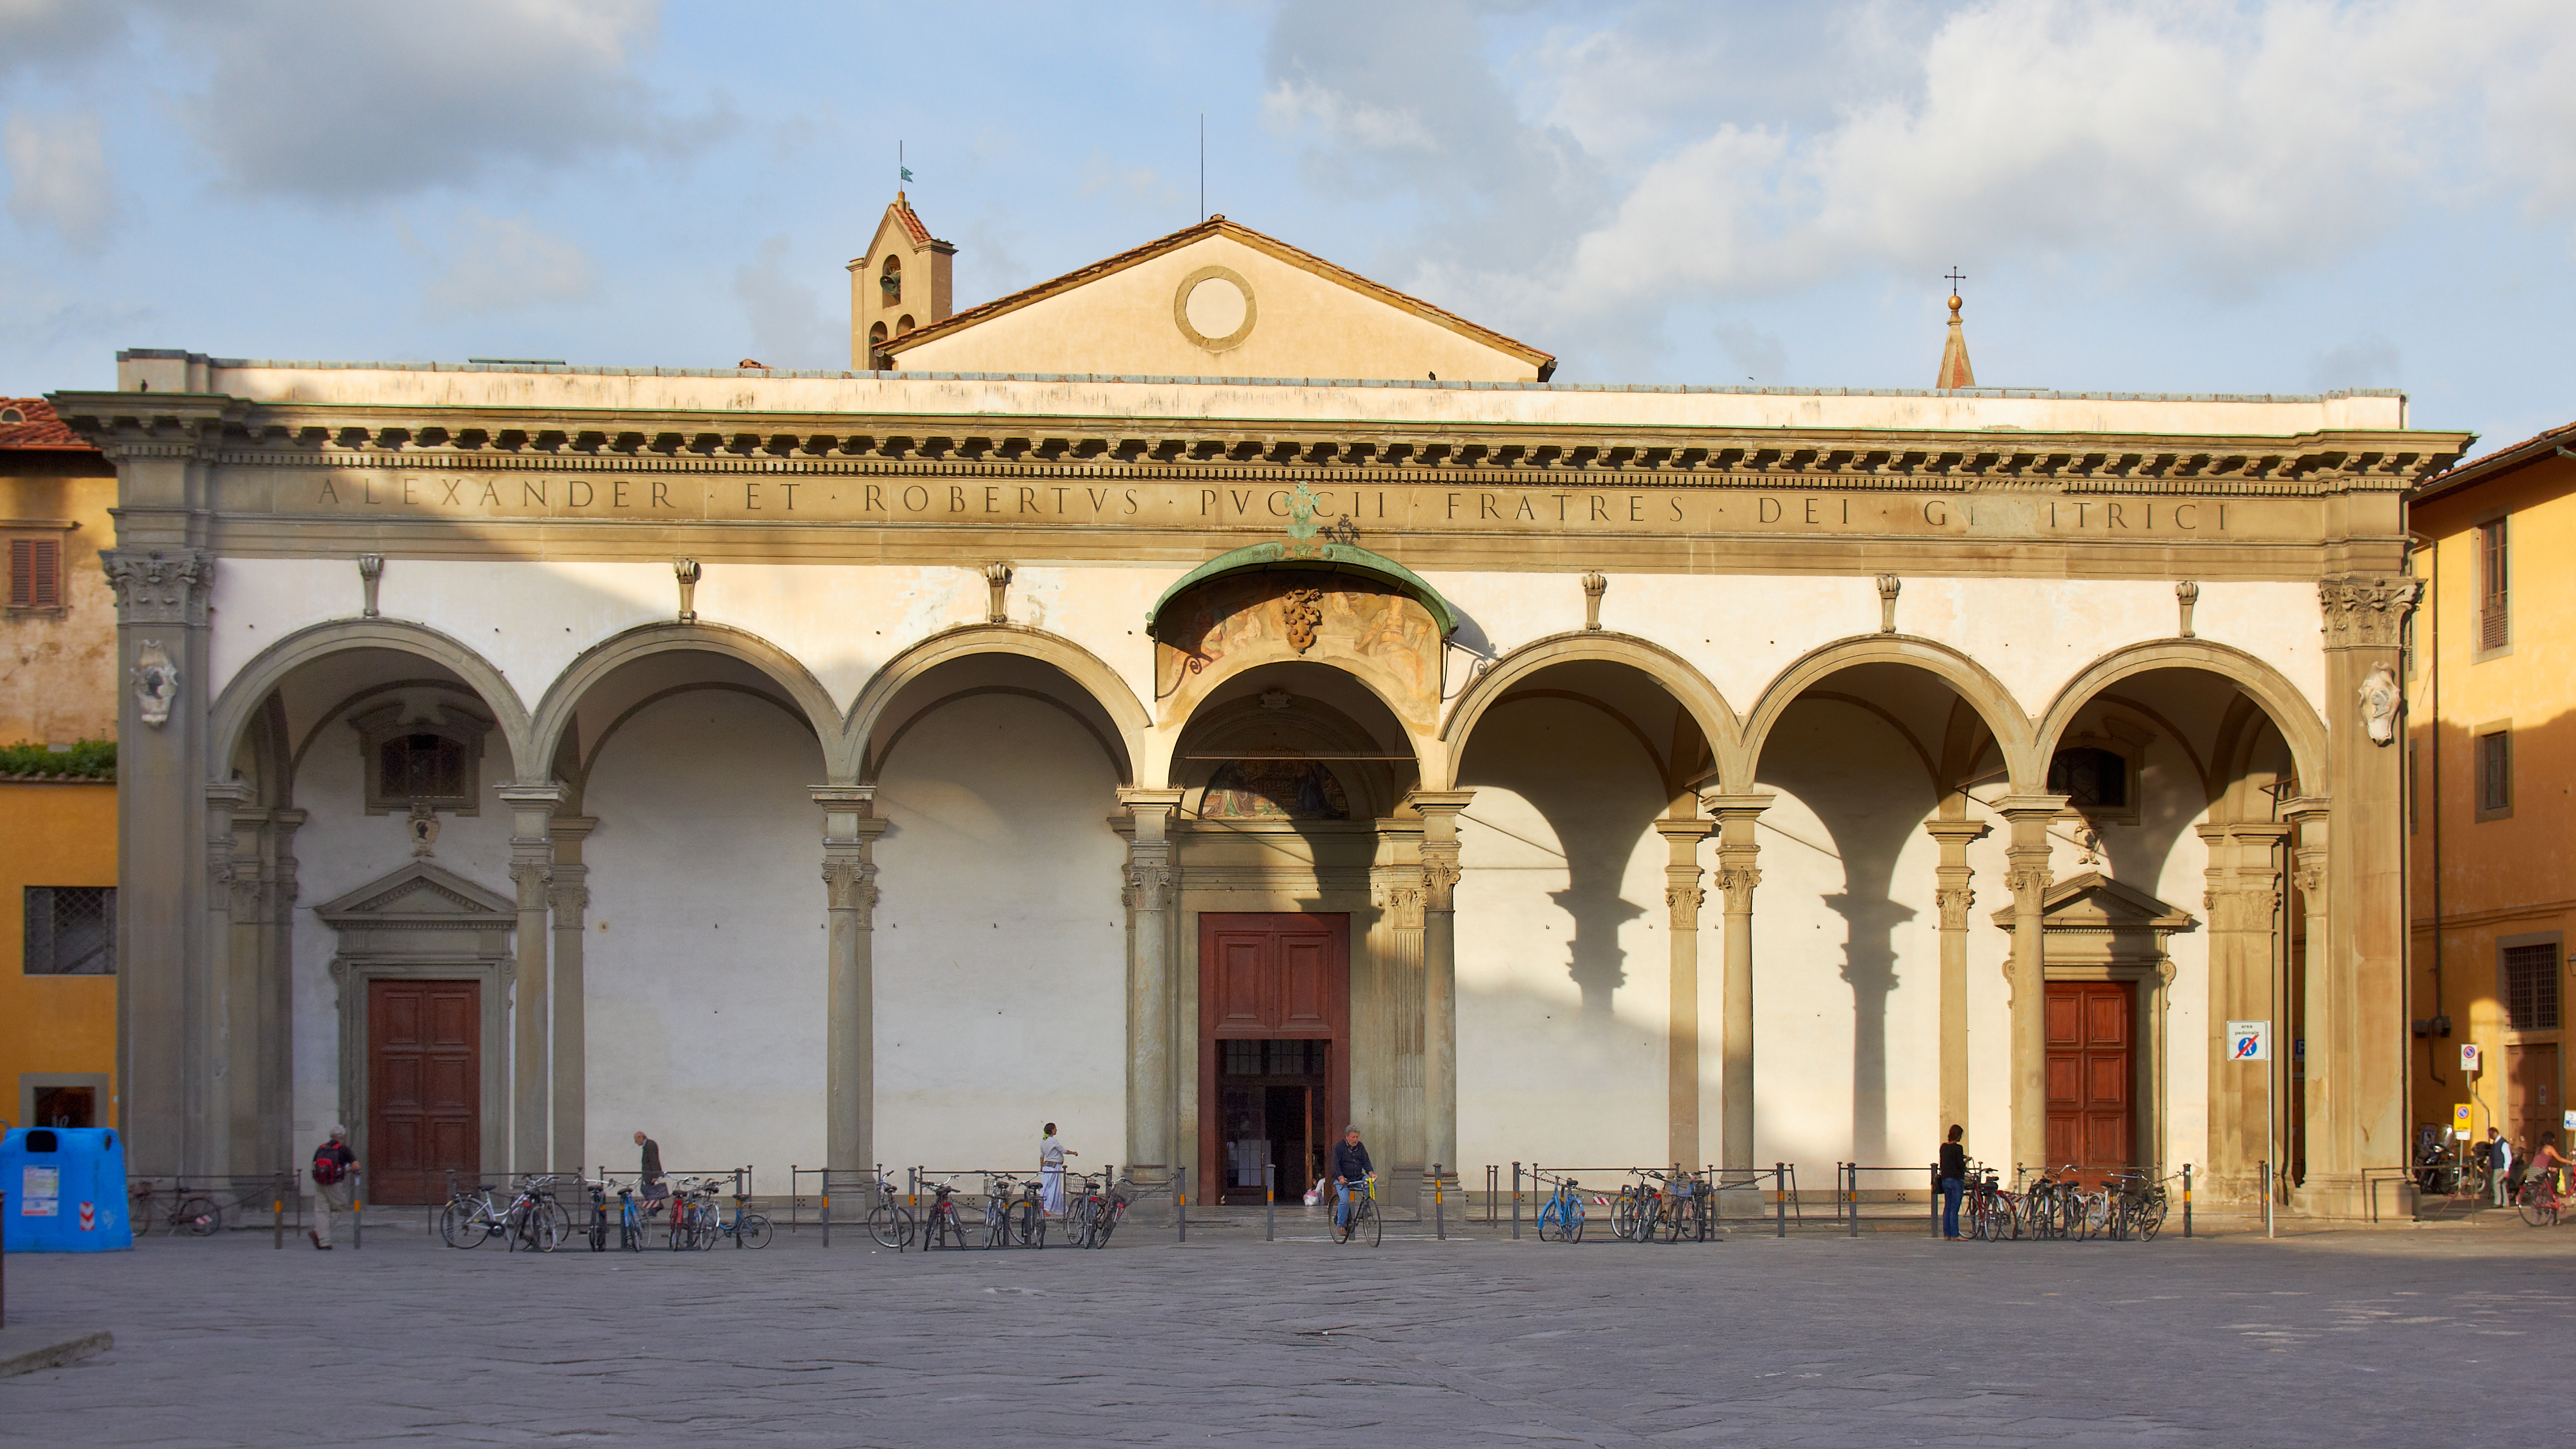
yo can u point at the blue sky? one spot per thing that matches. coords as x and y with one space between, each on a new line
2198 197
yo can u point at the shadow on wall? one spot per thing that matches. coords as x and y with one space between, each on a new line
1873 804
1599 794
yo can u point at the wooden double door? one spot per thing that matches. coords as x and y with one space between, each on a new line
1274 1050
2092 1075
424 1089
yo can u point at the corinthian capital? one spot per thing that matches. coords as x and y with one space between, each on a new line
162 586
2367 611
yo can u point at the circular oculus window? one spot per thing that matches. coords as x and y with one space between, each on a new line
1214 308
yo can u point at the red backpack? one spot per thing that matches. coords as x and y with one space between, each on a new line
326 1165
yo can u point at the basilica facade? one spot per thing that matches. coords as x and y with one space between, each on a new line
1211 698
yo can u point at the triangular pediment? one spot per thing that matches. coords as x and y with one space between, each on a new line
420 894
2094 901
1218 300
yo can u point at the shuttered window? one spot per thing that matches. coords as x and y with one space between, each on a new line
35 573
2531 987
2495 772
2495 614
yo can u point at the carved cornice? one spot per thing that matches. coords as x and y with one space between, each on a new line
2367 611
161 586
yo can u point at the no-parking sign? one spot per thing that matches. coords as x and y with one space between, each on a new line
2249 1041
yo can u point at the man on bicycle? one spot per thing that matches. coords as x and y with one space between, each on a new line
1350 1172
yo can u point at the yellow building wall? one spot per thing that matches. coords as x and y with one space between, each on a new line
2499 878
56 835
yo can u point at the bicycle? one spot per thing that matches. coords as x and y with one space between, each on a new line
470 1219
1112 1211
195 1214
1993 1214
1358 1214
1028 1216
890 1222
1627 1210
1080 1209
942 1226
1561 1219
2540 1202
1683 1207
530 1218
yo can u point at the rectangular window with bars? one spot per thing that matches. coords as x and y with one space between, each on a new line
35 573
2495 613
2495 772
2531 986
71 931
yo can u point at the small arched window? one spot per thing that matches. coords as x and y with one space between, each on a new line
877 356
890 280
12 415
903 324
2090 779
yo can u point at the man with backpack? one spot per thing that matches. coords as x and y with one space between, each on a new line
334 1167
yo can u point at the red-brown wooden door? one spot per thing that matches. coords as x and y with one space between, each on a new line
2531 1101
2092 1074
1270 978
424 1089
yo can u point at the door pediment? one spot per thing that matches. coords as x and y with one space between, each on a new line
420 896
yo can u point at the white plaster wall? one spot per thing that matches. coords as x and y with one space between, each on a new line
705 961
1001 966
340 848
1561 1054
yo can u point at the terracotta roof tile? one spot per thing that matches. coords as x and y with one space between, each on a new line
37 426
1219 226
911 221
2501 460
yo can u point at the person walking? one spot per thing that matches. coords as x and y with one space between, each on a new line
649 1172
334 1167
1051 1155
2499 1168
1954 1180
1351 1170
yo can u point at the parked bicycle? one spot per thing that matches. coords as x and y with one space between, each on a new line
890 1222
1561 1219
1009 1223
193 1213
943 1226
1108 1212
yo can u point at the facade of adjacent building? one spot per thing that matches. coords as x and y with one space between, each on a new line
1211 698
2492 743
57 774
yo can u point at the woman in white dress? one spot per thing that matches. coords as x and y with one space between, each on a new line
1051 1156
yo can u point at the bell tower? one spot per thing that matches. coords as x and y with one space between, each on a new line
903 282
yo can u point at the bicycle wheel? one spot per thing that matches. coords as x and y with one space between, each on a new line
751 1232
1342 1229
1028 1226
1623 1217
1368 1221
541 1231
2538 1207
198 1217
1550 1221
1572 1225
630 1235
2151 1214
890 1226
457 1225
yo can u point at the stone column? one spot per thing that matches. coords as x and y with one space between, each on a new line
2026 875
2356 1023
2308 818
570 898
1952 896
1737 875
1682 900
215 1035
1439 810
168 1099
2243 899
279 891
1152 1104
1391 1089
532 857
850 831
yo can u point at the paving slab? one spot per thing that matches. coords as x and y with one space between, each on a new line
2335 1338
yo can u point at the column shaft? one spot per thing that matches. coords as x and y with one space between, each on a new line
1152 1102
570 898
1953 896
850 832
1737 874
1682 900
532 853
2027 876
1390 1097
1439 810
212 1032
2243 899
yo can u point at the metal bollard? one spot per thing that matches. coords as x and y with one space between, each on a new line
1780 1199
2186 1199
1269 1202
357 1219
1516 1202
1853 1197
277 1214
1181 1200
1936 1198
827 1207
2267 1197
1439 1213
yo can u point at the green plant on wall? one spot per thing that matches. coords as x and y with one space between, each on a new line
84 760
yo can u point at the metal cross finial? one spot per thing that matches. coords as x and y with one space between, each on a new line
1955 278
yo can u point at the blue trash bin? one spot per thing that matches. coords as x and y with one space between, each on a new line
66 1189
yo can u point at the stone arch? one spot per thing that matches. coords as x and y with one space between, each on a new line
1716 719
1105 685
1971 681
244 694
555 711
2291 712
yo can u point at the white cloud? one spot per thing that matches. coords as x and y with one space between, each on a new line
48 33
58 177
505 264
2371 361
788 328
378 98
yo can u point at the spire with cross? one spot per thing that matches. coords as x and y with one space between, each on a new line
1955 372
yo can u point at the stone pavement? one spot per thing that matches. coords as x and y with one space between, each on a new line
2350 1338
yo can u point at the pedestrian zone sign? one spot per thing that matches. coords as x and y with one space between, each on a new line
2249 1041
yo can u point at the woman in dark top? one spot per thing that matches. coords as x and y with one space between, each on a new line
1954 1180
